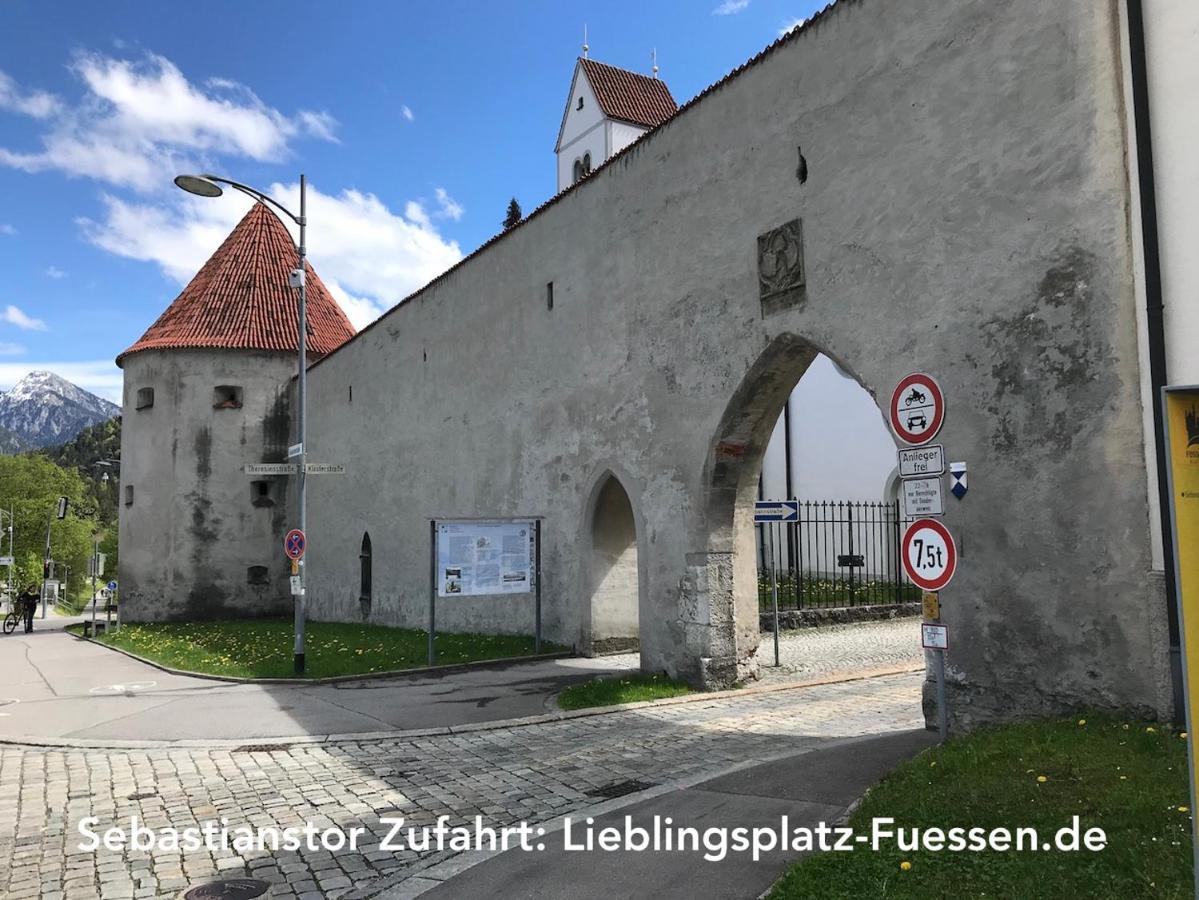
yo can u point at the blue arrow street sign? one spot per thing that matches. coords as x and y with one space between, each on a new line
776 511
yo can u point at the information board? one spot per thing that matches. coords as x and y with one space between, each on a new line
478 558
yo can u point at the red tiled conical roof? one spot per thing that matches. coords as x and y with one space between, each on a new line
240 299
629 96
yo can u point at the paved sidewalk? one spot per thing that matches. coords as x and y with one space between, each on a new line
66 688
810 788
533 773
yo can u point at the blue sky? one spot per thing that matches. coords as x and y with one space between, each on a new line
415 123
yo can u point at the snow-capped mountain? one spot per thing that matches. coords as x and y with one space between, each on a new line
43 409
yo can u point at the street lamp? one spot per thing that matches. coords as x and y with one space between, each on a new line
210 186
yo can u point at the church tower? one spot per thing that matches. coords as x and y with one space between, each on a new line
207 390
607 109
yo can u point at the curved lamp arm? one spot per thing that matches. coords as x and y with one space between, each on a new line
257 194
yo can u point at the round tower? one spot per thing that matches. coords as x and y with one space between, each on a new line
207 391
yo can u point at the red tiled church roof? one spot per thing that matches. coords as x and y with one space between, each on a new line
240 299
628 96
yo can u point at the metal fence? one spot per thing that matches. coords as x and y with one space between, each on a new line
838 554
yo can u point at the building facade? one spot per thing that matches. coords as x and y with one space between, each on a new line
897 186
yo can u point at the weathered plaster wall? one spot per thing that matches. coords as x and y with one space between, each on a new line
192 530
965 212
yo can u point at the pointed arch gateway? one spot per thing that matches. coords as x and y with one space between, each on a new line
613 581
365 576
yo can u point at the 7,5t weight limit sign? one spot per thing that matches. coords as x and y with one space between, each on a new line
929 555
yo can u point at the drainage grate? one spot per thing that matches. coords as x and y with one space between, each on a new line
620 789
143 795
229 889
262 748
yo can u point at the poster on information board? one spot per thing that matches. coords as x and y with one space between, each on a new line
480 558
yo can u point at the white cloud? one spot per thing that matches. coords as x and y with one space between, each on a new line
730 7
319 124
14 316
37 104
407 113
138 121
55 272
101 376
7 348
450 208
369 256
791 26
7 229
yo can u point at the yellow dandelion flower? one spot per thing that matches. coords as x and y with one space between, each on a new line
905 865
1184 809
1150 730
1082 721
1042 778
1183 735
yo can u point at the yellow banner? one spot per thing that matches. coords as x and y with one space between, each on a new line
1182 422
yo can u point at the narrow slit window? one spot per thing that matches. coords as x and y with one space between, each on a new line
128 495
549 295
145 397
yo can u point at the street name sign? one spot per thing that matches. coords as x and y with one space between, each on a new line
271 469
918 461
776 511
295 450
324 469
6 560
922 497
929 554
934 637
917 408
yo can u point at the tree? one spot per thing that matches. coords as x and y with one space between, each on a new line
514 214
30 486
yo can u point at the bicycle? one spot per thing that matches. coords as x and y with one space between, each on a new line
10 622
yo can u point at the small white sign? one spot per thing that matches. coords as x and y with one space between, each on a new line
6 560
295 450
922 497
271 469
324 469
934 637
927 460
296 585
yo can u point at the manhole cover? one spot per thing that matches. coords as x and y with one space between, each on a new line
620 789
129 688
230 889
262 748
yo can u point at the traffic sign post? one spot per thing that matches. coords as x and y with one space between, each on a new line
771 513
776 511
917 409
929 554
294 544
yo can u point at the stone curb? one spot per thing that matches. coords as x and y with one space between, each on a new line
267 743
331 679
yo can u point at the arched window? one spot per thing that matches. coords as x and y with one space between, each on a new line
586 163
364 576
578 170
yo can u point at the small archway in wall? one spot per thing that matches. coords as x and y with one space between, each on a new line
612 612
733 480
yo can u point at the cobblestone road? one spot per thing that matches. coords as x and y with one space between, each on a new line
532 773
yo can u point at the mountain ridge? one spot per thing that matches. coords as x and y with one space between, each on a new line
44 410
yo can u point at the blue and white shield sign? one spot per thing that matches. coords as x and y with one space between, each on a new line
957 479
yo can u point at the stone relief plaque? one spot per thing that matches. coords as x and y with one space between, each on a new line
781 279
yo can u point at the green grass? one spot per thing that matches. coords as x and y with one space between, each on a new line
611 691
262 648
1120 776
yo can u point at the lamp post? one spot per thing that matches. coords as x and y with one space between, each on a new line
210 186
